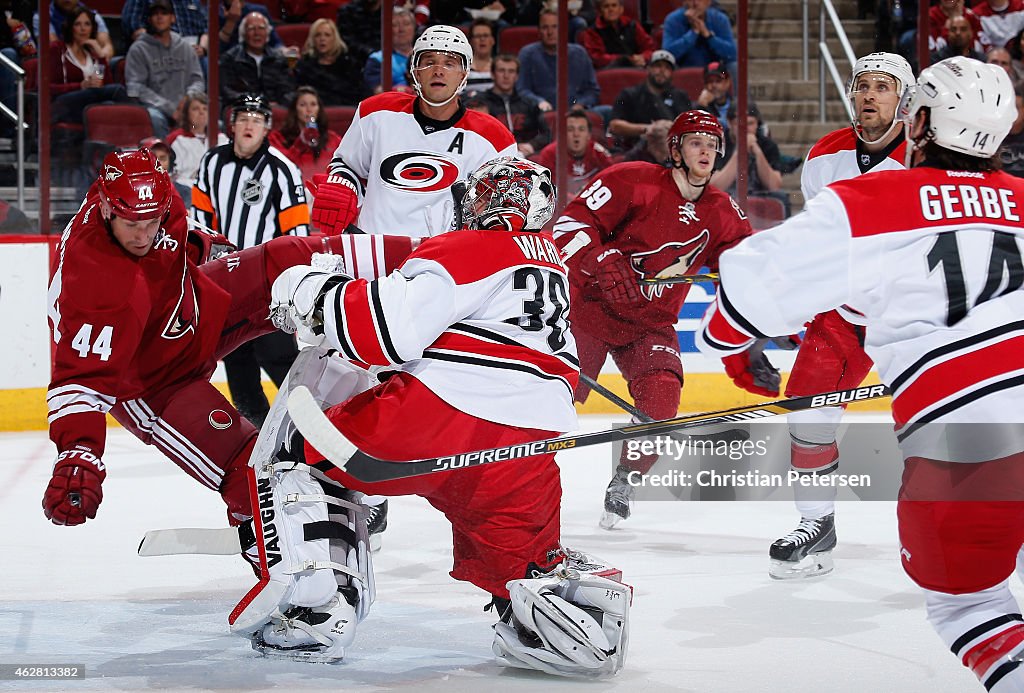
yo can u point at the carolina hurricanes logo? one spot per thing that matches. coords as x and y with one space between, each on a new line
670 260
419 172
185 316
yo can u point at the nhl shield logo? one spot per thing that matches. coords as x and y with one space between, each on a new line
252 192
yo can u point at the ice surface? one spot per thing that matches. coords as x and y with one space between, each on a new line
706 617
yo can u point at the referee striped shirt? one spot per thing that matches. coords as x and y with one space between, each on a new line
250 200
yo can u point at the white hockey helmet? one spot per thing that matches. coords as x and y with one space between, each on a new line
897 67
971 105
443 39
507 193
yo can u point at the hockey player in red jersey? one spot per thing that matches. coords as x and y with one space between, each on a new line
138 327
939 279
476 325
641 221
832 354
400 156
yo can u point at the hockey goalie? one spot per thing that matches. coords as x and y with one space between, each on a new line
472 335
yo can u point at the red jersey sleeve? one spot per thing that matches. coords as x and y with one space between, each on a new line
598 211
731 227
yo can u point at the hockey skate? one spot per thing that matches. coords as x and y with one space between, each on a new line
804 552
308 634
376 523
618 498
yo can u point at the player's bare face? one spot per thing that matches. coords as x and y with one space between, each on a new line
875 99
250 129
699 152
440 75
136 237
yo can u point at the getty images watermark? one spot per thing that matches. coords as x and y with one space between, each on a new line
752 462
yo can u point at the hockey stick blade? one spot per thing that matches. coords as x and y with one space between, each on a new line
340 451
175 542
681 279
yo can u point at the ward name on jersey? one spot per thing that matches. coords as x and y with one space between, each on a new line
403 163
938 277
636 208
467 310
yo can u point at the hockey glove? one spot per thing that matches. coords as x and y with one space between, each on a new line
75 489
752 371
335 203
296 297
788 343
207 246
614 275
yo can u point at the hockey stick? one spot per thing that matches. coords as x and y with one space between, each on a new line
221 541
681 279
322 435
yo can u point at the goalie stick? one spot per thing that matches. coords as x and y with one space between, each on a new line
681 279
322 434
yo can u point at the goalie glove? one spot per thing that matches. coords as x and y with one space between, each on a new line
75 489
752 371
335 203
567 623
614 275
296 297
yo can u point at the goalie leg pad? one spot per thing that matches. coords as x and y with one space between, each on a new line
317 573
566 623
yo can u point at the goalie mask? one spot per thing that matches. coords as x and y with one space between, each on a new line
506 194
133 185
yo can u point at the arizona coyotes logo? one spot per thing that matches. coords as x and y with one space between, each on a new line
688 213
111 172
670 260
185 316
418 172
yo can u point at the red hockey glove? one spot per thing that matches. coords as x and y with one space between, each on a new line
614 275
75 489
206 246
335 203
752 371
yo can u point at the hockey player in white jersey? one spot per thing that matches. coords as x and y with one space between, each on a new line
933 258
475 324
410 149
832 354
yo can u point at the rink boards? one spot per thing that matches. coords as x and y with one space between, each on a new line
25 347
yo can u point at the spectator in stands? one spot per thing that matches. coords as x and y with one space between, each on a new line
616 40
519 113
1004 59
189 22
959 41
637 107
586 157
229 16
79 76
653 146
537 68
764 177
1001 20
1016 49
716 97
250 68
582 13
481 38
462 12
697 34
895 21
188 140
938 18
165 157
1011 153
61 12
15 43
403 34
329 67
359 24
161 68
305 137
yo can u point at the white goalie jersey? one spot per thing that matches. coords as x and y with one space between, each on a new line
934 260
404 164
465 311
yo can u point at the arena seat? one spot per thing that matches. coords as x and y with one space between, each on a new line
612 81
293 34
339 118
765 212
690 80
512 39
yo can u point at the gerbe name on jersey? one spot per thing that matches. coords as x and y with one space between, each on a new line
541 249
959 201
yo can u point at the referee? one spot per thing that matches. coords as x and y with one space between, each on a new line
248 191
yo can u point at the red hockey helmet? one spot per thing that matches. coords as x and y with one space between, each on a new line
698 123
133 185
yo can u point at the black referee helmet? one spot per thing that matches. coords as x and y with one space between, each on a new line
251 103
